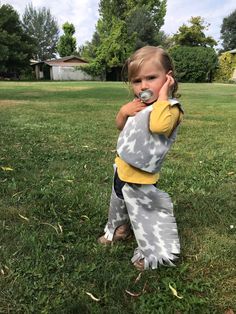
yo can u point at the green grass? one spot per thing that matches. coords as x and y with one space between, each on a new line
60 139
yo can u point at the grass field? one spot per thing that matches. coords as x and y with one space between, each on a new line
57 146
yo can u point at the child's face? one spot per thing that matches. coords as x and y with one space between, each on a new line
150 76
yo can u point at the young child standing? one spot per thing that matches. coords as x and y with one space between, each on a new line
148 127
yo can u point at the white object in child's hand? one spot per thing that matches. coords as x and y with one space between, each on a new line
145 95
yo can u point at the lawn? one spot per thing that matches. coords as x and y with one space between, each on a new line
57 146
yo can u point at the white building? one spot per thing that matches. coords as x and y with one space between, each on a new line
63 69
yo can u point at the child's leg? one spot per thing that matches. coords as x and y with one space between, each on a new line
118 225
117 216
151 215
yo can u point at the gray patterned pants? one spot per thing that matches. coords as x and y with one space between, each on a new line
150 212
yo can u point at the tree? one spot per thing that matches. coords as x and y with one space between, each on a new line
124 26
142 25
164 40
16 47
228 31
67 43
43 28
88 50
193 53
156 8
194 35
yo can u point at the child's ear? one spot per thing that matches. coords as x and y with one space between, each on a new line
170 73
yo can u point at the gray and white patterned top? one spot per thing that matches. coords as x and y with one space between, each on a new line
141 148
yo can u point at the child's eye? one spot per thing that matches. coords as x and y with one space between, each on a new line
136 81
151 77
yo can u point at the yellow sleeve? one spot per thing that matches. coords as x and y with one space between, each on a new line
164 118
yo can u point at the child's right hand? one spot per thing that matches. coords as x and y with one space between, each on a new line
132 108
128 110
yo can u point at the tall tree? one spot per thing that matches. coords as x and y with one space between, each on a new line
142 25
43 28
193 35
124 26
15 46
156 9
67 43
88 50
228 32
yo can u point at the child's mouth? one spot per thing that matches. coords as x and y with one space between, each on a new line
146 95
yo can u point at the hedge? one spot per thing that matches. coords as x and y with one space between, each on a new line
194 64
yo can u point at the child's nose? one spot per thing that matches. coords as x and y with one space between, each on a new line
144 85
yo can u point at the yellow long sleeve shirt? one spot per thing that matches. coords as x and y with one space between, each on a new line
163 120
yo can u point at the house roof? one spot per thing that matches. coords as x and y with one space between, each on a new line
65 61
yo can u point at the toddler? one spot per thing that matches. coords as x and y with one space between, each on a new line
148 126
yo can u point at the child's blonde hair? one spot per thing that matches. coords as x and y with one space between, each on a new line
143 54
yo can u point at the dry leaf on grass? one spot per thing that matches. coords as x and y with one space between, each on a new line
60 227
174 291
133 294
92 297
23 217
85 217
48 224
138 278
7 168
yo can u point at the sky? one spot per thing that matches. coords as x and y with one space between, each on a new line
84 14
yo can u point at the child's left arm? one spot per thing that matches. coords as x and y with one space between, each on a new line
164 117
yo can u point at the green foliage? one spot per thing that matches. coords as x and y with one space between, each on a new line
163 40
194 64
16 47
193 35
88 50
113 49
43 28
141 24
94 69
227 64
67 43
156 9
123 27
228 32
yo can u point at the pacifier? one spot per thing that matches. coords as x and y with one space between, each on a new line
145 95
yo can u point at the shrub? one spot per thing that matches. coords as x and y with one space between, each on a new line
194 64
227 64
